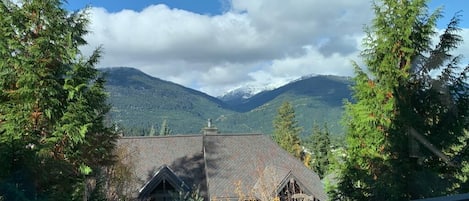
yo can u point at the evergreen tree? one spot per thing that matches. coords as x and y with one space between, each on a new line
165 130
53 138
320 145
287 131
152 131
402 107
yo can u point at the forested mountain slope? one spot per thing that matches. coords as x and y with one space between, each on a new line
141 103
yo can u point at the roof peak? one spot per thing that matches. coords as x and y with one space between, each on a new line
191 135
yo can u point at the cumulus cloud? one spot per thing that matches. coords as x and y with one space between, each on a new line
464 47
252 43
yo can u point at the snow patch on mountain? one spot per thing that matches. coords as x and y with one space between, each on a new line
248 90
244 92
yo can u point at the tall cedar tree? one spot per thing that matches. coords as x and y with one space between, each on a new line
400 95
287 131
53 139
320 146
165 130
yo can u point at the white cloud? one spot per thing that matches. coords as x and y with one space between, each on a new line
254 42
464 47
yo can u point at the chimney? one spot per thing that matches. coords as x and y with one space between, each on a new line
210 130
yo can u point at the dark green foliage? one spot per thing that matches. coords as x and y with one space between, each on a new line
400 94
286 130
320 146
52 104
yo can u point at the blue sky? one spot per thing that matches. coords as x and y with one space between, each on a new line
450 7
220 45
215 7
210 7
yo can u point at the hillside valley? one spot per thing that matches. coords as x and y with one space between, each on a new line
140 103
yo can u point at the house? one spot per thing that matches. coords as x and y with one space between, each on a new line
219 167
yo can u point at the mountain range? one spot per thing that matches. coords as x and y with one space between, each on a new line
140 103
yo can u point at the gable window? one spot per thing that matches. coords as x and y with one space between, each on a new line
164 186
163 192
291 188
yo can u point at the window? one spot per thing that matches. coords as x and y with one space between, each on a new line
164 191
164 186
291 188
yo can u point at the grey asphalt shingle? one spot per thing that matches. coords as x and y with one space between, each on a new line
247 161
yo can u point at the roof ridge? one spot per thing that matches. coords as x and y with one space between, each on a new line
235 134
191 135
159 136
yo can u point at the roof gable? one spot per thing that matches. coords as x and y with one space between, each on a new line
164 174
239 161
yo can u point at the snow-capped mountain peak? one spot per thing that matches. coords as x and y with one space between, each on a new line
244 92
247 91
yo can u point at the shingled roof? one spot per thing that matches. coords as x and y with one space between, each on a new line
221 165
